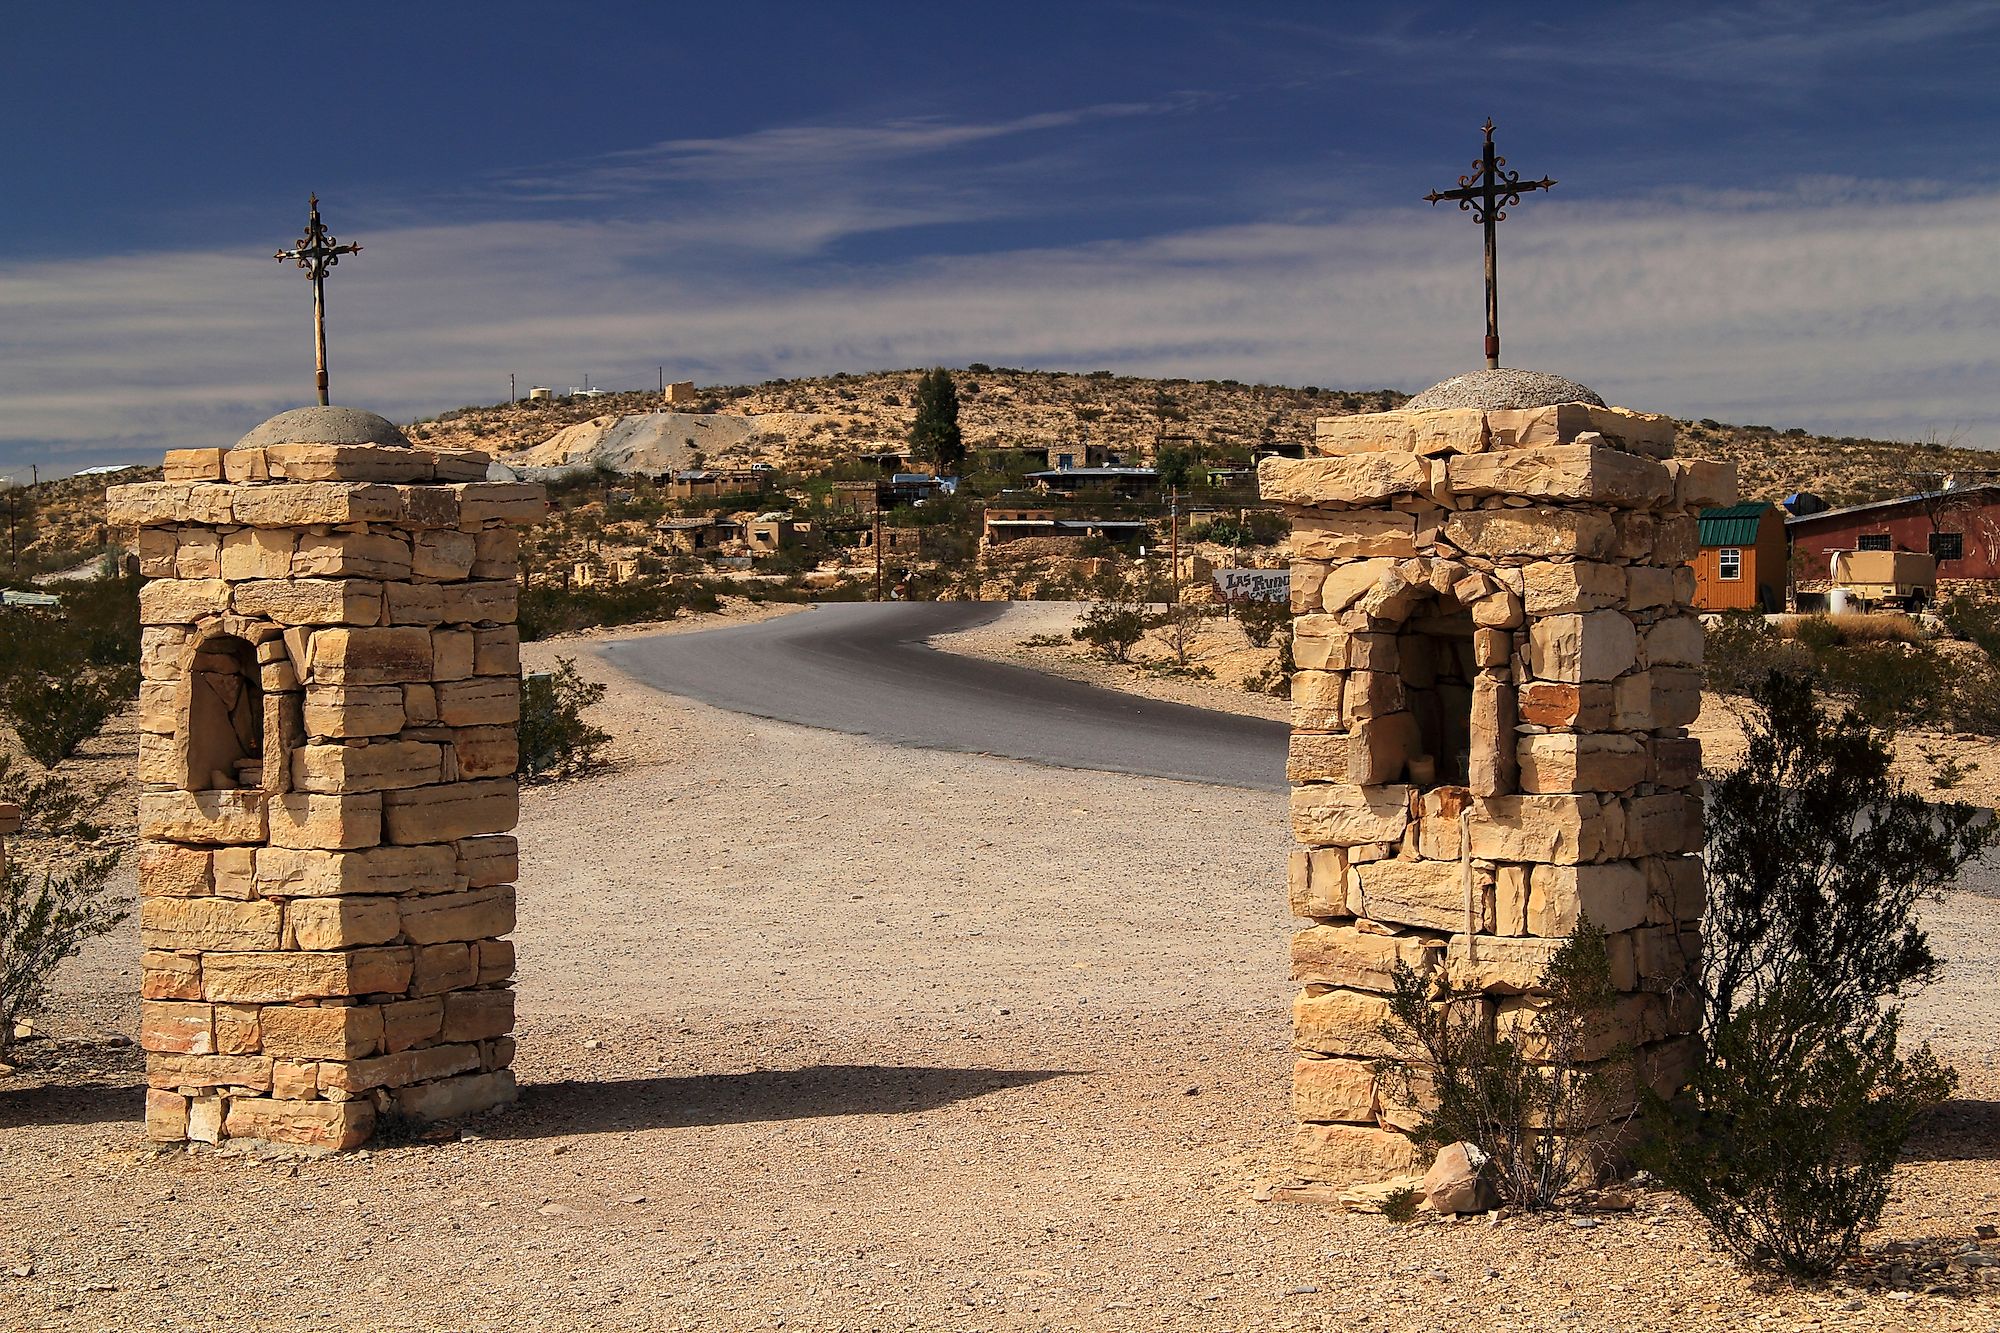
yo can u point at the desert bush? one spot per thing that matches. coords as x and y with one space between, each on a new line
65 670
55 888
1179 628
1851 627
1112 629
1817 858
555 738
1263 619
54 715
1530 1101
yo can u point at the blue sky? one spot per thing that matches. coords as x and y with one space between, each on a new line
1779 213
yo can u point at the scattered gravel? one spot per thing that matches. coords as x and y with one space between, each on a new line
1498 390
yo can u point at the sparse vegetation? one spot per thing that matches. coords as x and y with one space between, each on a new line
556 740
1112 629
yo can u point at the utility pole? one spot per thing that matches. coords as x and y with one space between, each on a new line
663 379
878 555
510 387
1174 537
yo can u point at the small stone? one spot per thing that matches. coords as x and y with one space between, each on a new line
633 1198
1303 1289
593 1044
1583 1223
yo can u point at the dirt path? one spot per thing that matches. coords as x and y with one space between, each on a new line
817 1033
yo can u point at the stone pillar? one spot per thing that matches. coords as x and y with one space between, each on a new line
1498 662
329 698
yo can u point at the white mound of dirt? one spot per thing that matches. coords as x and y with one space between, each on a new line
652 442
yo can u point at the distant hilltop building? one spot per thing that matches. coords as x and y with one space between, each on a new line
540 394
681 391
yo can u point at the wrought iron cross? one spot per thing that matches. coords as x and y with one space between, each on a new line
316 253
1487 194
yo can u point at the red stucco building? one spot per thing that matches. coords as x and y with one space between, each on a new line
1960 527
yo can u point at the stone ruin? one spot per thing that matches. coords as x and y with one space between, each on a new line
330 689
1497 666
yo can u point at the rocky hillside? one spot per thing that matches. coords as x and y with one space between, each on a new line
801 424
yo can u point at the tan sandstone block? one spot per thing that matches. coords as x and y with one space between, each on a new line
409 1023
1347 534
452 652
1333 1089
1704 484
1380 748
208 1071
1600 645
209 817
378 656
478 1015
1557 830
415 603
340 923
1492 762
1340 1022
1568 473
487 601
1343 815
1676 696
486 752
336 1126
291 873
444 967
156 503
1572 763
181 601
488 860
381 766
1614 894
1329 955
1316 757
1675 641
298 505
1662 825
310 601
481 701
476 914
1560 587
209 924
1316 700
451 810
170 976
341 711
192 465
349 462
1525 427
1430 894
1532 531
1497 964
1355 479
1316 882
198 554
306 821
271 978
500 502
366 555
1346 1154
496 651
166 1116
168 871
499 554
322 1032
443 554
455 1098
1458 430
399 1069
496 961
1647 587
176 1028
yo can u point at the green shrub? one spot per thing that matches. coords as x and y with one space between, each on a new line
1817 859
1531 1102
55 715
555 738
1112 629
1261 620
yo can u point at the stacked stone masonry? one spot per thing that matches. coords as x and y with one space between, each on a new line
1498 662
331 686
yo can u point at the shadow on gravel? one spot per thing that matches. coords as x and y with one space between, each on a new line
589 1107
72 1104
1962 1130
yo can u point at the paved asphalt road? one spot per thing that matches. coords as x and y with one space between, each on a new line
864 668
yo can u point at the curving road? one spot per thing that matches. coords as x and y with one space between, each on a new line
865 668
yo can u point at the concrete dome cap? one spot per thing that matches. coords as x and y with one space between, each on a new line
1501 390
325 425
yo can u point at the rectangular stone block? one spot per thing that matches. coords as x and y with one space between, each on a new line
1676 696
1572 763
322 1032
349 462
1498 965
209 924
310 601
499 554
476 914
192 465
176 1028
380 766
170 976
444 967
1316 882
166 1116
415 603
1435 895
377 656
1704 485
191 1073
519 502
1535 531
1316 757
443 554
1340 1022
306 504
1330 955
287 873
182 601
1599 645
1555 830
168 871
1346 534
486 752
1613 894
495 959
456 1098
1566 473
484 861
493 601
451 654
1316 700
1676 761
481 701
478 1015
1342 815
308 822
340 923
409 1023
1565 586
272 978
1663 825
1350 1154
343 711
1356 479
365 555
198 554
496 651
1458 430
1675 641
1380 748
400 1069
207 817
1333 1089
155 503
1641 432
451 811
336 1126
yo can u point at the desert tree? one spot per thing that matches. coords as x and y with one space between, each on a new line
934 434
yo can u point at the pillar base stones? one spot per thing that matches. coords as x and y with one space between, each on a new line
331 685
1498 660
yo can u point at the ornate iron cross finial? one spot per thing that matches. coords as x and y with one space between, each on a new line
1487 194
316 253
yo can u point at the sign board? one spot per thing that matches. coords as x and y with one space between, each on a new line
1254 585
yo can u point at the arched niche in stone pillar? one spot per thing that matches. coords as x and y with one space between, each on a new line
1430 693
238 709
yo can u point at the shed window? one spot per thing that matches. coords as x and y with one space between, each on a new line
1948 545
1729 564
1873 541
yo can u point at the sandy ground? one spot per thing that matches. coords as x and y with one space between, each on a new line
816 1033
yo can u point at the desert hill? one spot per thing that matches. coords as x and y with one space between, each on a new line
806 424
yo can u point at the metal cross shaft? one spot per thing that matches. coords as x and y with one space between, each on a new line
316 252
1487 194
